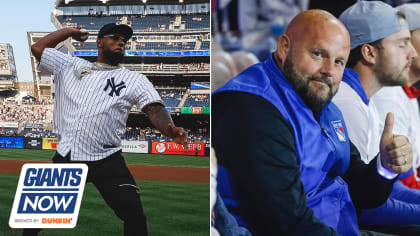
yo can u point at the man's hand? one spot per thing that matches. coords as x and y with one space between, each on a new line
80 34
178 135
162 120
52 39
396 152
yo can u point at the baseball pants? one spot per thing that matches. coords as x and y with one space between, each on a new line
117 187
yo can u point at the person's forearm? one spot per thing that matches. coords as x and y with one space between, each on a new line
50 41
159 117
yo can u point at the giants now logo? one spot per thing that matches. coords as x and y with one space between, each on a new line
48 191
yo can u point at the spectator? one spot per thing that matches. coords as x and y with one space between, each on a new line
378 32
402 100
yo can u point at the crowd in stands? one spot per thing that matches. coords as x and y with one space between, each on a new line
151 22
37 133
150 46
169 67
197 100
197 21
36 112
35 101
137 22
200 135
8 131
194 66
131 134
171 97
158 46
149 134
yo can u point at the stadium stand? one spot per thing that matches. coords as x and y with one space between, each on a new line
149 134
180 44
197 100
196 21
171 97
85 45
8 75
89 22
139 22
14 111
169 68
205 45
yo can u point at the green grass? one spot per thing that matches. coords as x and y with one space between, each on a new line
171 208
131 158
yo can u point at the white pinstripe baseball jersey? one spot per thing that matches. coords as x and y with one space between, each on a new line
90 112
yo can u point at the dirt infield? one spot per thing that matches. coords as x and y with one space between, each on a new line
140 172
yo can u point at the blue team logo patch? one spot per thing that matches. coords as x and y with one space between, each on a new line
339 130
48 196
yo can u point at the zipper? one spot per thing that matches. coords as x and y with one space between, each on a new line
329 140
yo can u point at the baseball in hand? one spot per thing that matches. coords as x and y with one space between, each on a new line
84 37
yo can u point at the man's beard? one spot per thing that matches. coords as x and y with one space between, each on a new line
301 85
397 78
114 58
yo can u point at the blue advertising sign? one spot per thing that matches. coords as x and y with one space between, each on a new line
94 53
11 142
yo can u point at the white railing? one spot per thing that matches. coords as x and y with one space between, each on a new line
169 68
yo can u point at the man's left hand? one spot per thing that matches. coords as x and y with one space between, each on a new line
396 151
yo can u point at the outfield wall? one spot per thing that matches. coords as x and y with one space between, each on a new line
176 149
166 148
11 142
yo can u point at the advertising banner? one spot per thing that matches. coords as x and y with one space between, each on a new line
135 146
33 126
200 86
9 124
11 142
174 148
186 110
49 143
196 110
206 110
32 143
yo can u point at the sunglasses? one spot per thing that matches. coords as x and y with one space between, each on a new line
116 37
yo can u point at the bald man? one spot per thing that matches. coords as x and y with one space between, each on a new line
286 164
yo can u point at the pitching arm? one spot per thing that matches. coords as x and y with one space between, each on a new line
162 120
51 40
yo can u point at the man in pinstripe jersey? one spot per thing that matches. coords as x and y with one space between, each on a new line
93 101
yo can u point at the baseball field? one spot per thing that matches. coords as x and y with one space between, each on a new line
174 193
